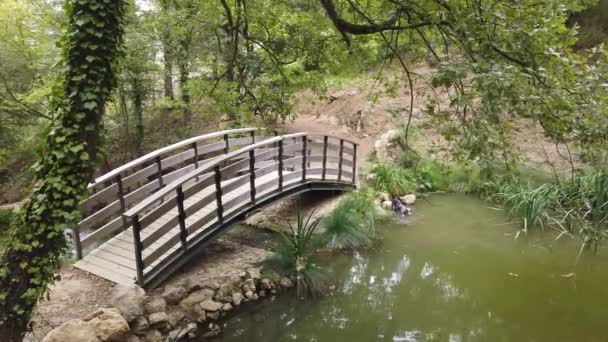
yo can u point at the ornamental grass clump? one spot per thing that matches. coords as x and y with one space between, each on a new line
294 256
352 223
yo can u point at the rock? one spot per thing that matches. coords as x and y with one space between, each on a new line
132 338
196 297
155 304
212 286
227 307
158 319
224 293
262 293
109 324
73 331
174 294
383 196
388 205
408 199
266 284
381 145
175 318
249 294
244 275
210 305
340 94
237 298
286 283
140 325
214 315
200 314
154 336
255 273
180 334
250 284
129 299
214 330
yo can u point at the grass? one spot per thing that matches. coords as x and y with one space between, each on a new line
294 256
352 223
392 180
574 206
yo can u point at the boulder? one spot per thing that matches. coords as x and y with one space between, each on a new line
132 338
129 299
174 294
73 331
255 273
251 295
387 205
214 285
286 283
408 199
250 284
237 298
109 324
140 325
210 305
180 334
155 304
175 318
227 307
158 319
194 298
200 314
266 284
153 336
383 196
225 291
213 315
262 293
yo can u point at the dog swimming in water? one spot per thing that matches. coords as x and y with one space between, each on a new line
399 208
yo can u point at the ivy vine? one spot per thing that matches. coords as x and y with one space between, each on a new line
91 43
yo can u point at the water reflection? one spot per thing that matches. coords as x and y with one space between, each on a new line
415 288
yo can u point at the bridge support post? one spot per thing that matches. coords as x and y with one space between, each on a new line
181 216
121 198
252 190
139 262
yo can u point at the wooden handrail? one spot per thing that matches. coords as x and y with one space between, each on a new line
203 168
110 175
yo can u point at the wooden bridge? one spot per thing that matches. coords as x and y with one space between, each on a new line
150 216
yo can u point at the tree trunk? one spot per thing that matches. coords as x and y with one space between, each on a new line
185 95
138 110
168 73
37 243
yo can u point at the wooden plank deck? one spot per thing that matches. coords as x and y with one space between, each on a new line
115 259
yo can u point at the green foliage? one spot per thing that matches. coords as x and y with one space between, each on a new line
392 180
90 46
294 255
352 223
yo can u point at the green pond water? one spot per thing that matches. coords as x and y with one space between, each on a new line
454 272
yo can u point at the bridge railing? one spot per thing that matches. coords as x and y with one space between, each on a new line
193 208
116 191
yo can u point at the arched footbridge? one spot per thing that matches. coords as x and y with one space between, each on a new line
150 216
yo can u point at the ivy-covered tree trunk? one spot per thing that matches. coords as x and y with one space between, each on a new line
93 34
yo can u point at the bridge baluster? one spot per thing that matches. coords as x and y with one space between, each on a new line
139 262
121 198
252 175
340 162
159 171
280 165
304 156
183 233
354 163
218 194
195 149
324 168
252 133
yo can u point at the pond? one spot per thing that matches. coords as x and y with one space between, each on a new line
455 272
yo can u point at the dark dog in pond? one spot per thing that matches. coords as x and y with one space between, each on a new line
399 208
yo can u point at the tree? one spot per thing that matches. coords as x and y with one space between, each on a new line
90 46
